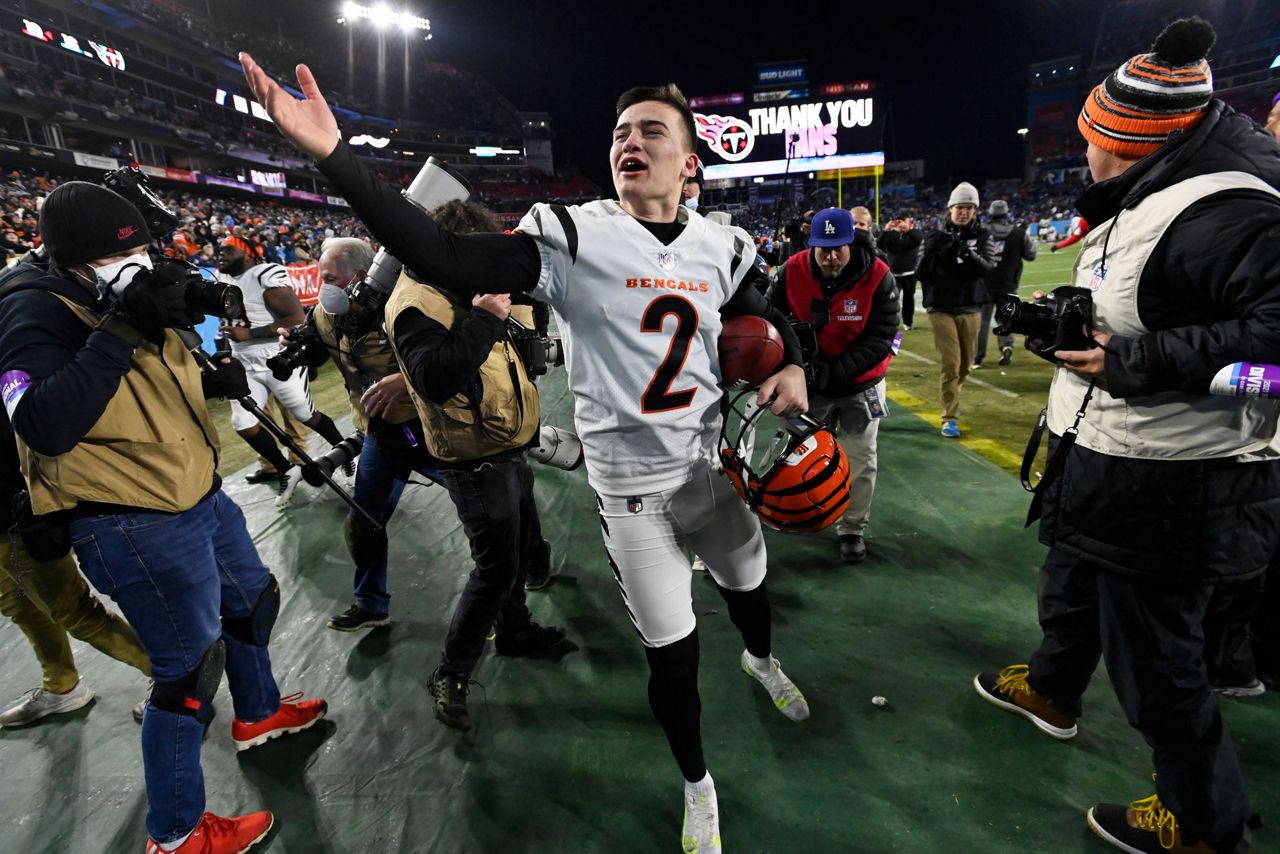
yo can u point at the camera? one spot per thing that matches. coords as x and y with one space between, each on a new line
337 457
305 348
1059 321
538 352
558 448
132 184
203 296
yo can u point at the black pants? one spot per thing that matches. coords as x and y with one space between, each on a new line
495 506
907 290
1152 640
1242 631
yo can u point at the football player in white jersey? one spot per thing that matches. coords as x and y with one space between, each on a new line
270 306
639 287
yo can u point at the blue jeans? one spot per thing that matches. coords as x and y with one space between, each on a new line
380 481
175 576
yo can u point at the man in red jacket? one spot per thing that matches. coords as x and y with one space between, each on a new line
843 299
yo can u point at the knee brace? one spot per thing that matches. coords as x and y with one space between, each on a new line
192 695
363 543
255 629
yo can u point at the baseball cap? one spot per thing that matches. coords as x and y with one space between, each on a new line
831 227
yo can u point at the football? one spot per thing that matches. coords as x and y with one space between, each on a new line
750 351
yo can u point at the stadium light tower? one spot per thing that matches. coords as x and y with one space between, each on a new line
383 18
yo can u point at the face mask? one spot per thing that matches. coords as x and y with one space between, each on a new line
113 278
691 204
334 299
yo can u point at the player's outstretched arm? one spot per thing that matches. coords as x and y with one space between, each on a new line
473 263
309 124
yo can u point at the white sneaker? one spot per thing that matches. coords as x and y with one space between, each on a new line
784 693
288 484
699 565
701 831
41 703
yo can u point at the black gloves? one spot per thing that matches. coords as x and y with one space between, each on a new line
227 381
151 304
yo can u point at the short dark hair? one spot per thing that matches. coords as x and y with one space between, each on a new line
464 217
670 95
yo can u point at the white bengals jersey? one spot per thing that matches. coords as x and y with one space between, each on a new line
253 283
641 321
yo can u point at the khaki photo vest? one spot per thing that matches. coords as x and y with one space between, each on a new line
506 416
153 447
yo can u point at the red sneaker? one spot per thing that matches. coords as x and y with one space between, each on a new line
217 835
290 718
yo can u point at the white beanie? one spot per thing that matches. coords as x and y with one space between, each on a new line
964 194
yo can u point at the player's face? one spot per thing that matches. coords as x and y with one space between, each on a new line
862 221
649 156
231 260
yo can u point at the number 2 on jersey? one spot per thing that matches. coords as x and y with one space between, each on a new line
659 397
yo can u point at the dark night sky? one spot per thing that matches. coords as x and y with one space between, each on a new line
954 72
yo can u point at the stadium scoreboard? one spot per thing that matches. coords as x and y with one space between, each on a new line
836 126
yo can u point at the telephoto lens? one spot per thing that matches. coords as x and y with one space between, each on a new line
557 448
339 455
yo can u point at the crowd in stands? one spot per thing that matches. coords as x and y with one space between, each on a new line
286 234
291 234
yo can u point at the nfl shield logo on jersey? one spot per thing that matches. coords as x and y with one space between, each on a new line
667 261
850 306
1099 277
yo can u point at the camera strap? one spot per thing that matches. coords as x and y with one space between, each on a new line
1053 466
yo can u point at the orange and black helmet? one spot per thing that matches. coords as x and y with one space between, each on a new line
803 488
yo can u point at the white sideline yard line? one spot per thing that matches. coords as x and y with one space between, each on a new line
969 379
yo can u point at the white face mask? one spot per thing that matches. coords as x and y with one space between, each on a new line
691 204
334 299
118 275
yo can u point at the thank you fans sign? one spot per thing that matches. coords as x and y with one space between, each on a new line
833 133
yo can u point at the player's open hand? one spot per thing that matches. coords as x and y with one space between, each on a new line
786 393
309 124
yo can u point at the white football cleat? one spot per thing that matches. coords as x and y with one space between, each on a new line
701 831
784 693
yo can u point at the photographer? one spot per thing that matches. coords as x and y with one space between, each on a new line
1166 493
115 440
350 331
901 241
847 300
955 259
1011 248
270 307
479 412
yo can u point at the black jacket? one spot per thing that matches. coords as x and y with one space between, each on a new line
837 377
1012 248
902 249
954 262
1211 294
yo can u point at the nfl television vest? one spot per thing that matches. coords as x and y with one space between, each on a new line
505 417
848 309
153 447
1170 425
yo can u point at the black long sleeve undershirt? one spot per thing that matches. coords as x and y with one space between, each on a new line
489 263
442 362
464 263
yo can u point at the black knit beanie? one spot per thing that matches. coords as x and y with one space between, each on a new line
82 222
